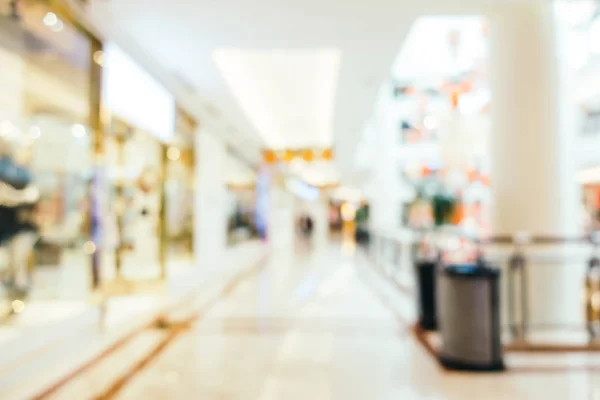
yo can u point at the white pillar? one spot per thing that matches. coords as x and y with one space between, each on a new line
533 185
210 214
319 212
281 219
385 199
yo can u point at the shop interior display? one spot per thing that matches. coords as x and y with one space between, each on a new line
18 232
580 24
443 125
133 215
80 205
246 190
45 83
362 224
241 220
179 200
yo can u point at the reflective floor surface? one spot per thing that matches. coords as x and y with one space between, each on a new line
313 326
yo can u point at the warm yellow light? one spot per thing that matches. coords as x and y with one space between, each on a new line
173 153
348 212
595 301
89 247
18 306
99 57
50 19
308 155
288 156
270 157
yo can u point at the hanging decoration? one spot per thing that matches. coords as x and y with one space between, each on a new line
271 157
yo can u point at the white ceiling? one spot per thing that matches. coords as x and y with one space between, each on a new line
429 55
237 173
186 37
287 94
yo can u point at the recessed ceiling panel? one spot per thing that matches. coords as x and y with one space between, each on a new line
288 95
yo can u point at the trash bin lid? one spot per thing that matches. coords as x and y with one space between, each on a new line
471 271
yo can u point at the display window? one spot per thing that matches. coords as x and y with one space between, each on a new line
591 201
133 226
241 216
46 154
242 201
179 190
139 119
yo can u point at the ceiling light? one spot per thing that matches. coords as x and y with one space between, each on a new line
288 95
7 128
348 211
18 306
58 27
35 132
50 19
78 130
173 153
430 122
99 57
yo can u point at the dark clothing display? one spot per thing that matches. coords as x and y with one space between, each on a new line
12 174
11 221
306 225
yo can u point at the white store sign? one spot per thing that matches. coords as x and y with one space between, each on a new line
134 95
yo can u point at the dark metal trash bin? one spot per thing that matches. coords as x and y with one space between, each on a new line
469 318
426 288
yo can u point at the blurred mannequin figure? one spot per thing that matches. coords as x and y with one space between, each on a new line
306 225
17 231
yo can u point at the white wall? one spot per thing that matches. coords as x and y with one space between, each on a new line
385 192
210 211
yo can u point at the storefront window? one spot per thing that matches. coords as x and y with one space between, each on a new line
179 192
241 224
137 144
241 202
133 208
45 154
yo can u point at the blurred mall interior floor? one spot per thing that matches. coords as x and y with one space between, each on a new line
251 200
318 325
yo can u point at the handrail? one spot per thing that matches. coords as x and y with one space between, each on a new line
518 238
517 261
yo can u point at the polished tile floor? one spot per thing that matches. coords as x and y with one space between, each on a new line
311 327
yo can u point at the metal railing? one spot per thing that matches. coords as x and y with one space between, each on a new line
515 253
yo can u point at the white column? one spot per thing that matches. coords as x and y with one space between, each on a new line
319 212
385 199
281 219
533 183
210 214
